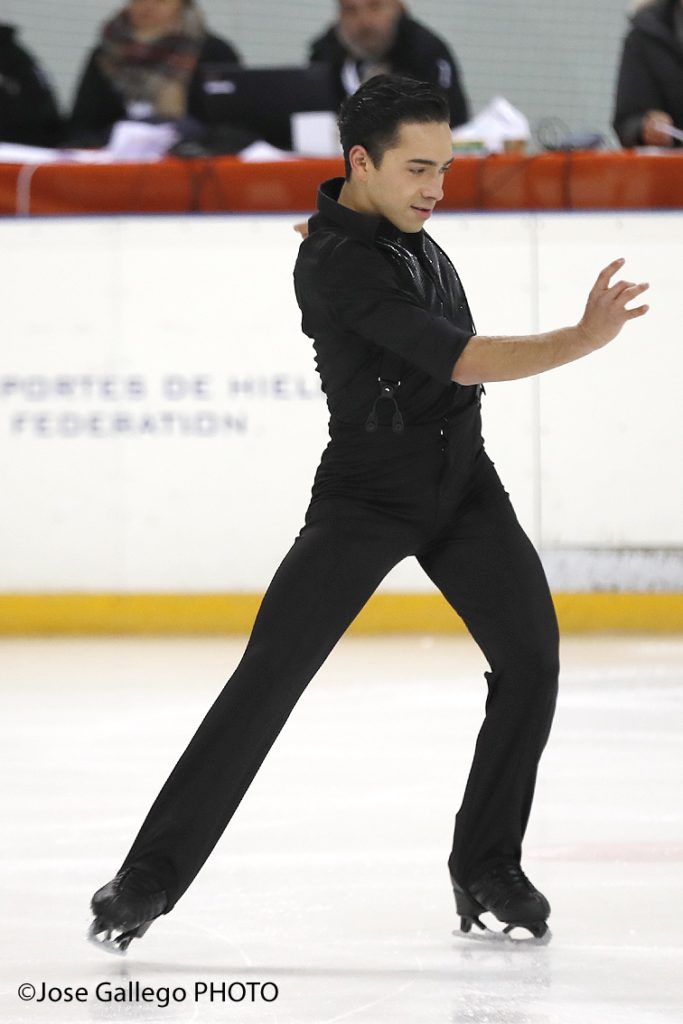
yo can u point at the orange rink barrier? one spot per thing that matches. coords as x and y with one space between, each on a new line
546 181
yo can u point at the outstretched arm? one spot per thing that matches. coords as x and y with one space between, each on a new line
511 358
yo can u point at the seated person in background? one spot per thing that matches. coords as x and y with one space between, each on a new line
372 37
147 66
28 111
650 87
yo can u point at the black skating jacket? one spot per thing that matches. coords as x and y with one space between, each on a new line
651 72
369 293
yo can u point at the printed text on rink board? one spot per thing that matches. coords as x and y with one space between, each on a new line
94 405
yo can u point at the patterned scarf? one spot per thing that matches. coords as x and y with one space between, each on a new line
156 71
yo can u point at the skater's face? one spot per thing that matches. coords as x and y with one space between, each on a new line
407 183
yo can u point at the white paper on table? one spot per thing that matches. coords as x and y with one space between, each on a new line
496 124
137 140
13 153
34 155
129 140
315 133
262 152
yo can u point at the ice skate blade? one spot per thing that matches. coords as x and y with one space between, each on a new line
539 936
113 940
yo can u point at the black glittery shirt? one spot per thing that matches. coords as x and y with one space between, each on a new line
366 289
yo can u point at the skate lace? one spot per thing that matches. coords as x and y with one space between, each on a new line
131 898
505 877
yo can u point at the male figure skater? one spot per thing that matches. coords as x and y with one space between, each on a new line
405 473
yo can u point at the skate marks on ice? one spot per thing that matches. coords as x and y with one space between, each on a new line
332 879
334 962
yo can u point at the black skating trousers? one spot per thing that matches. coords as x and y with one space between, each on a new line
431 492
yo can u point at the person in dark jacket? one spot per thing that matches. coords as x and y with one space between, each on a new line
650 84
405 473
28 111
372 37
147 65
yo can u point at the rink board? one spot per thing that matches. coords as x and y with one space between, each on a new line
225 614
161 419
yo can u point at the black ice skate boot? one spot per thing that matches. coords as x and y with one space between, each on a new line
126 905
504 890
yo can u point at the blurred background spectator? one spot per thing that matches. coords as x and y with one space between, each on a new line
371 37
650 84
28 111
147 65
550 60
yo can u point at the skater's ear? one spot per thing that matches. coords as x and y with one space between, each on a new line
359 159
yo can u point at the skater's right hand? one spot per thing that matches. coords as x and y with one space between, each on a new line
606 312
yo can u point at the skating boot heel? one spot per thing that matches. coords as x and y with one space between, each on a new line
468 908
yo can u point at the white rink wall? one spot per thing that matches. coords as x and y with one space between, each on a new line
161 417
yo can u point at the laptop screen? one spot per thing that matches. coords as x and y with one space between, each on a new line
264 99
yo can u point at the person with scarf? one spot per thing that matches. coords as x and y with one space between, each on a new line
147 65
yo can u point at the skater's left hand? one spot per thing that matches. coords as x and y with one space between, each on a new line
606 311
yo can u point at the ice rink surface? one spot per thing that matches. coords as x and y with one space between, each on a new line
331 881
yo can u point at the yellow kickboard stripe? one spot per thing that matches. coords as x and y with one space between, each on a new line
225 614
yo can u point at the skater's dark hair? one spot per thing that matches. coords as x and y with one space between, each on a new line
372 116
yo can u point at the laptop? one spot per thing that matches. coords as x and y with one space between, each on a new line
264 99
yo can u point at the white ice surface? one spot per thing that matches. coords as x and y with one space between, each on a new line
331 879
